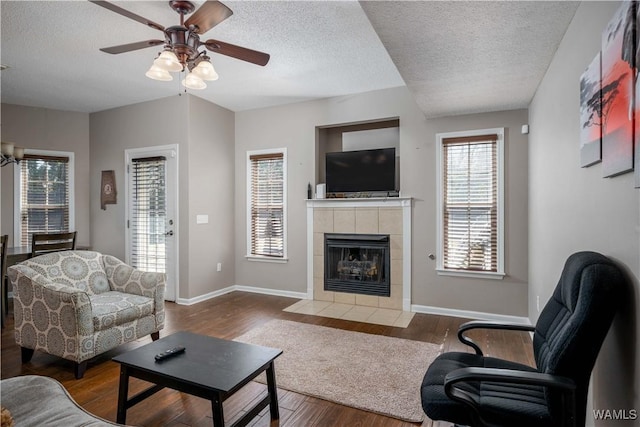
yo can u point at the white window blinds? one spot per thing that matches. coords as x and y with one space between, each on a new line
44 195
267 205
148 214
470 203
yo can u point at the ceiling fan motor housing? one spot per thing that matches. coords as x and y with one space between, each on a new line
184 42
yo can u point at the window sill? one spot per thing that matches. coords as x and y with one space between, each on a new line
472 274
256 258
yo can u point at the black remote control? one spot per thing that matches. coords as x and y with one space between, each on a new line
169 353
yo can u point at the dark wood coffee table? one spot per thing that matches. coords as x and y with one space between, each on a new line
210 368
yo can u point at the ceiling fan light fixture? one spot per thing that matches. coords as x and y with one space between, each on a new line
168 61
205 71
18 153
191 81
10 153
181 44
157 73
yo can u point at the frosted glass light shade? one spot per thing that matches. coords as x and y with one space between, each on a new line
7 148
18 153
205 71
193 82
157 73
168 61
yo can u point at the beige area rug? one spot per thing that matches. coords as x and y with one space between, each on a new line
371 372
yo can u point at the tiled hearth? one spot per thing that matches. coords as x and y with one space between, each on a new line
390 216
356 313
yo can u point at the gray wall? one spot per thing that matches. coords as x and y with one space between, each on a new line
294 126
214 169
574 209
204 134
211 190
147 124
508 296
44 129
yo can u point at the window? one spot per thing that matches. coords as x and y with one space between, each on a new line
267 199
44 200
470 203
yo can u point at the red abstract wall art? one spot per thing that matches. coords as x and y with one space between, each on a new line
618 75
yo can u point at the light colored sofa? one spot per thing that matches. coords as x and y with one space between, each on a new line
79 304
36 401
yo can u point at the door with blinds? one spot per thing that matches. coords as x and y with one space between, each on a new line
151 212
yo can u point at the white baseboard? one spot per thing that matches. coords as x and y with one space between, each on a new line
425 309
276 292
467 314
200 298
252 289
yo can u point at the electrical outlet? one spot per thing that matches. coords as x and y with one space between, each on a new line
537 301
219 268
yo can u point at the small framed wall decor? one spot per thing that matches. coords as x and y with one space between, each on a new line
108 193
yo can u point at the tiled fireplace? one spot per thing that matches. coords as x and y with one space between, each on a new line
371 220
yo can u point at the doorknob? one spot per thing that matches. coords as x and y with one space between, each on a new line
169 233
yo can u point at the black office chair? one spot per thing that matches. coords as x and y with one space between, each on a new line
474 390
44 243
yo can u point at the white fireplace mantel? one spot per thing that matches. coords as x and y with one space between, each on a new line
377 202
404 203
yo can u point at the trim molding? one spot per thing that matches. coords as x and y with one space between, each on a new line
200 298
424 309
478 315
229 289
360 202
265 291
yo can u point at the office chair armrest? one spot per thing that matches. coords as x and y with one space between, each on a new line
482 324
565 385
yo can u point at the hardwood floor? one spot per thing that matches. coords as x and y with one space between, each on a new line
227 317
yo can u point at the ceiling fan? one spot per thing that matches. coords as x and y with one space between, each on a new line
181 42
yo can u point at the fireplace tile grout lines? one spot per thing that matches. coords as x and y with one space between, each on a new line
358 313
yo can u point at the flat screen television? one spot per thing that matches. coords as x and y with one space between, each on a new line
361 171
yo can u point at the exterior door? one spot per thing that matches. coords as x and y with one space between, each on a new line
152 200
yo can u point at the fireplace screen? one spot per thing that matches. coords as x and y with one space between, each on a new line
357 263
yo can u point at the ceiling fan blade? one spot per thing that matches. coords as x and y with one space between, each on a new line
242 53
117 9
210 14
131 46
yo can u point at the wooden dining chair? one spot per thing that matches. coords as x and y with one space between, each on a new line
44 243
4 294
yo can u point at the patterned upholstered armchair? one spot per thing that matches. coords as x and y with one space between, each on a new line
79 304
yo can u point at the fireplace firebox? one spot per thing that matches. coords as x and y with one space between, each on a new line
357 263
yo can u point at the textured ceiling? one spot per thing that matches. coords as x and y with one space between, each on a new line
455 57
318 49
461 57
